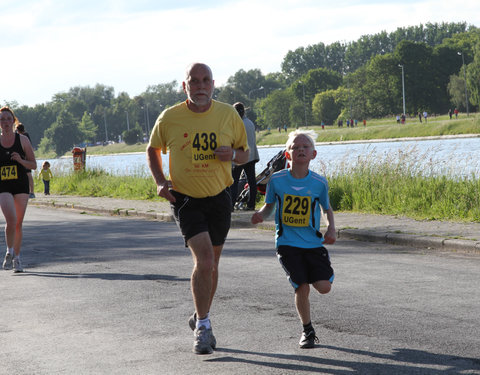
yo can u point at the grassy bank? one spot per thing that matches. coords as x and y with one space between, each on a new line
383 188
98 183
374 186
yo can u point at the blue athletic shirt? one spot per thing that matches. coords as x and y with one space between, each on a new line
297 214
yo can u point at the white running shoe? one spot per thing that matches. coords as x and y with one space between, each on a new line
17 265
7 263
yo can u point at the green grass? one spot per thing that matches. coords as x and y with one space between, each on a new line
376 186
400 188
98 183
372 186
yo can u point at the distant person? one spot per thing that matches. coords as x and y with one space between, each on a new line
298 194
450 113
46 175
398 119
249 166
419 116
425 116
20 129
16 157
456 113
204 137
364 123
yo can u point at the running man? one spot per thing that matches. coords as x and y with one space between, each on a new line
204 137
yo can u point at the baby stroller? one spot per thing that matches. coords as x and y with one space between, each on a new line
277 163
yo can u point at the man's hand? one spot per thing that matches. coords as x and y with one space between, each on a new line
224 153
163 191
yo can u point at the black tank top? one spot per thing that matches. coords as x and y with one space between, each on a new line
13 176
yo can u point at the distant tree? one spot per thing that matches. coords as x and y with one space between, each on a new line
419 77
383 86
64 133
456 90
315 81
473 78
326 107
246 81
87 128
274 110
133 136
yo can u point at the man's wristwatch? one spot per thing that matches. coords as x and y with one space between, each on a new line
234 153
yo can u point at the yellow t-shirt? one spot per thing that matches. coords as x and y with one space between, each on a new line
45 174
191 138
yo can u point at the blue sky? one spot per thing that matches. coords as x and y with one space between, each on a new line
49 46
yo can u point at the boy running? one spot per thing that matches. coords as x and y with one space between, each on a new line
298 193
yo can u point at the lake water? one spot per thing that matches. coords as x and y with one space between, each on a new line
446 156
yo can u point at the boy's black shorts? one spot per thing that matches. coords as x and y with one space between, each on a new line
305 266
197 215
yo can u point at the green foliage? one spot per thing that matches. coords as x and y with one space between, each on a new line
63 133
98 183
394 185
326 107
398 187
88 128
456 90
274 110
132 136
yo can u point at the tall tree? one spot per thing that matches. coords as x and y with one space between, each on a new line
64 133
416 59
87 127
274 110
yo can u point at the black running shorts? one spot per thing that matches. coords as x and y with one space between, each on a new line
305 266
197 215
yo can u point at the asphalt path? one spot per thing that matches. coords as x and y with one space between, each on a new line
111 295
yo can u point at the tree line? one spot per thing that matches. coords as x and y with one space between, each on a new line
318 84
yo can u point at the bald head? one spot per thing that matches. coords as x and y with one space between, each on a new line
198 86
197 65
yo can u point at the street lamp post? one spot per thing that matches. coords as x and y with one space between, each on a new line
105 122
304 105
148 120
128 122
403 87
465 80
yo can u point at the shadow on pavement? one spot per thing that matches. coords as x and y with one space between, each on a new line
105 276
410 361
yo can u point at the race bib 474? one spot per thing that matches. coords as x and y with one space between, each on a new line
8 172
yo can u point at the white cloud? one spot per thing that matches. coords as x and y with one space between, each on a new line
49 48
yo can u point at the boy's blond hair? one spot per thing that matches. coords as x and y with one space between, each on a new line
310 134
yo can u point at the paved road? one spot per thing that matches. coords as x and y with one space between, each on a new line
110 295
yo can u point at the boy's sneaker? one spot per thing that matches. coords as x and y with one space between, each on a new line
7 262
308 340
17 265
204 342
192 322
31 195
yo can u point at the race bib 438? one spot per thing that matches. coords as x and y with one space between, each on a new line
8 172
296 210
203 145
